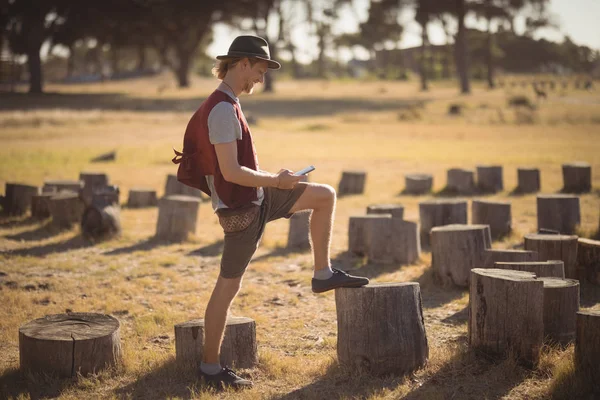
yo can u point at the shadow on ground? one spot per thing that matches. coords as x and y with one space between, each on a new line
212 250
280 252
76 242
7 222
259 105
14 384
44 231
144 245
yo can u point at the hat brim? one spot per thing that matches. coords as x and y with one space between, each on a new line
271 64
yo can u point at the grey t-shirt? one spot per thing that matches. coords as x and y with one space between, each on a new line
224 127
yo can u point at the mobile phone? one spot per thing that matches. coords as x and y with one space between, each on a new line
305 170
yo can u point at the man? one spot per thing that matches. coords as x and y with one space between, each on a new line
219 157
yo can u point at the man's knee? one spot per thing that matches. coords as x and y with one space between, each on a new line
326 195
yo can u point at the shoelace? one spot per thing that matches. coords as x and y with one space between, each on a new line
337 271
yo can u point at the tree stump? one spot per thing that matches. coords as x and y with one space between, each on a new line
352 182
238 350
40 205
92 182
358 231
17 198
541 269
299 232
379 240
492 256
67 344
406 246
139 198
555 247
558 212
489 178
395 210
506 313
101 222
381 328
174 187
108 195
59 185
587 347
177 217
577 177
461 181
496 214
66 209
561 303
456 249
588 260
528 180
434 213
418 183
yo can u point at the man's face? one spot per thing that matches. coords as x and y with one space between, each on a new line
254 74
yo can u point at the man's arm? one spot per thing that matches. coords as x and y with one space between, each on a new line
235 173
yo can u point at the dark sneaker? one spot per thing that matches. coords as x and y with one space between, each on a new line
224 379
338 280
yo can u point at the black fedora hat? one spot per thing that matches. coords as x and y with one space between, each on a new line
250 46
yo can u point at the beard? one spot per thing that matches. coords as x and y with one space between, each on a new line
248 87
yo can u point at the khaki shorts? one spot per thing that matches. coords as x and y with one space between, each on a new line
244 228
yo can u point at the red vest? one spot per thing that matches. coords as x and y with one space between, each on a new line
200 159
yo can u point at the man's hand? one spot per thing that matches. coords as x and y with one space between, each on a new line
286 179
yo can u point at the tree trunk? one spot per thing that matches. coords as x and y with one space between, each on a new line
352 182
101 222
177 217
238 350
71 62
381 328
555 247
173 186
68 344
114 59
423 61
40 205
395 210
588 260
528 180
541 269
139 198
587 347
270 76
561 303
66 209
34 62
92 182
489 53
141 60
456 249
183 68
461 181
496 214
577 177
299 231
506 313
489 178
462 53
418 183
17 198
558 212
359 230
434 213
492 256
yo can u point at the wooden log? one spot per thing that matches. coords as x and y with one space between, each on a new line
461 181
101 222
17 198
456 249
418 183
541 269
299 232
492 256
141 197
555 247
434 213
381 328
61 185
92 182
379 239
66 209
67 344
358 231
558 212
496 214
40 205
238 350
174 187
587 347
352 182
561 303
506 313
406 246
395 210
577 177
489 178
177 216
528 180
588 260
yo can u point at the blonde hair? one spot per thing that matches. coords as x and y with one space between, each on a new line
223 66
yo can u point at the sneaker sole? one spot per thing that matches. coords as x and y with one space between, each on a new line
358 284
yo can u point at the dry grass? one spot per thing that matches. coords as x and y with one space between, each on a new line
388 129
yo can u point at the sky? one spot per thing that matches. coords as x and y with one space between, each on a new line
579 19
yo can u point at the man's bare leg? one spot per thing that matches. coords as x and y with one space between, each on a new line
215 317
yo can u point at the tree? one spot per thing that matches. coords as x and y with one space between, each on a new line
461 47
